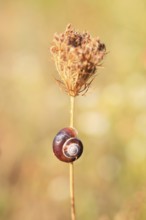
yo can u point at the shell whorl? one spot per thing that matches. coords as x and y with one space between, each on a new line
66 146
71 148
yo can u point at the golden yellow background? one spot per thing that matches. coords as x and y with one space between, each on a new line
110 177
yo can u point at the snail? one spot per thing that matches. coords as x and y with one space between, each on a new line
66 146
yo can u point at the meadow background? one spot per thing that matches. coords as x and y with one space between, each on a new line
110 177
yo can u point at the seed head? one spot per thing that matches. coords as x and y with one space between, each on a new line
77 56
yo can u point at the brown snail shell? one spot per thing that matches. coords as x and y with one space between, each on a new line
66 146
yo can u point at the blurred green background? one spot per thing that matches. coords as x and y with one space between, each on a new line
110 177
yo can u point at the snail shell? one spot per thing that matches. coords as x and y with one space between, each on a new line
66 146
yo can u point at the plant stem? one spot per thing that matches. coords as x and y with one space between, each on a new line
72 197
71 166
72 100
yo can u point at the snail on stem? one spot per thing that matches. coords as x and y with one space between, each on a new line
77 56
66 146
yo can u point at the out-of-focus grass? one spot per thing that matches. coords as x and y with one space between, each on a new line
110 177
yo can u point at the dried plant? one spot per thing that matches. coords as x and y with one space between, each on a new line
77 57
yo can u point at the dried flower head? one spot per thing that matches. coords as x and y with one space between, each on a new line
77 57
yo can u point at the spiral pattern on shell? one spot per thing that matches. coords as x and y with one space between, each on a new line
66 146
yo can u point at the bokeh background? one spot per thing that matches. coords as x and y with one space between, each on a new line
110 177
